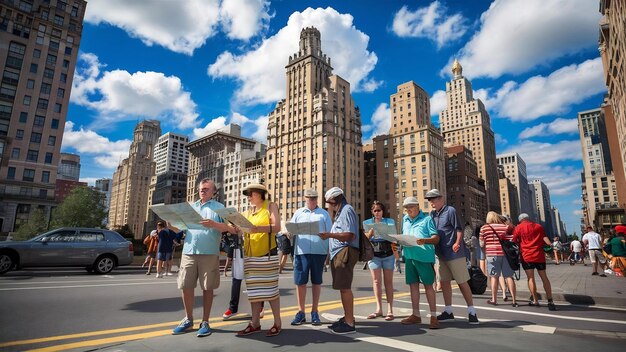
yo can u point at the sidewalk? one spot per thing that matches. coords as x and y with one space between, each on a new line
576 285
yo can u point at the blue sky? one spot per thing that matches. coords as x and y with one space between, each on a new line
197 65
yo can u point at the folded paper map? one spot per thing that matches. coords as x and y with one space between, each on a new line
380 228
180 215
404 240
303 228
235 218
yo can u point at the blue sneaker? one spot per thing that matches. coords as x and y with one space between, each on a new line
184 325
315 319
299 318
204 330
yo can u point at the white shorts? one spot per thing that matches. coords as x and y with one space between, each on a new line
596 254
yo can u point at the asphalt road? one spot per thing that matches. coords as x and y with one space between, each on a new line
52 310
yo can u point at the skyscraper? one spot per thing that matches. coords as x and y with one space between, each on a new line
599 189
514 169
612 46
465 121
39 41
417 148
465 190
131 180
314 134
169 183
543 206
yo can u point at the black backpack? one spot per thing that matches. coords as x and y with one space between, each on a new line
477 281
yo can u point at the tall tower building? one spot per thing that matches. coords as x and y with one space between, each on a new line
612 46
131 180
209 157
465 190
508 196
104 186
39 42
314 134
543 206
599 189
171 154
419 157
379 176
514 169
466 121
169 183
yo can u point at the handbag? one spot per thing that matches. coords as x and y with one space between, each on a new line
366 250
477 281
511 253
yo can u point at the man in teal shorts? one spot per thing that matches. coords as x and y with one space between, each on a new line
419 260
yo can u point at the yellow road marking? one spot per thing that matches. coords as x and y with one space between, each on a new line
214 322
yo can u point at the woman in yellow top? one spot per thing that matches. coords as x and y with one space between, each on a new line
260 259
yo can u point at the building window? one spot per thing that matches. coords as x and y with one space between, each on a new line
30 84
58 20
52 140
48 73
60 93
15 153
35 137
66 63
39 120
26 100
29 175
43 193
42 104
32 155
63 77
68 50
45 88
33 68
23 117
11 173
49 158
55 124
51 60
19 135
36 53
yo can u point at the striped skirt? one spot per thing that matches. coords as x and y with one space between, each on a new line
261 277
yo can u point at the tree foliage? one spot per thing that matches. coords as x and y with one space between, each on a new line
125 231
84 207
37 223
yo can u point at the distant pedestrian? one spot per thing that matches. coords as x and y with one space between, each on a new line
618 250
576 252
557 248
532 238
451 253
593 244
284 250
165 249
152 242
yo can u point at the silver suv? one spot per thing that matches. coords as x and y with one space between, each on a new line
98 250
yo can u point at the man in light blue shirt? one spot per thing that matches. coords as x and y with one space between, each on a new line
200 258
310 254
344 253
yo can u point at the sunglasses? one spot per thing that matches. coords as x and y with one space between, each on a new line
377 210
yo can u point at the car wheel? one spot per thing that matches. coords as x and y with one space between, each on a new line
104 264
6 262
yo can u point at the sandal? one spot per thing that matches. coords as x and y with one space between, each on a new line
275 330
515 305
489 301
389 317
249 330
374 315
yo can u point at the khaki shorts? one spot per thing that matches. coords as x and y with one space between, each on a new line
455 269
199 267
342 268
596 255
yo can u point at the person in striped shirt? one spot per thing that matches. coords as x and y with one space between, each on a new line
495 229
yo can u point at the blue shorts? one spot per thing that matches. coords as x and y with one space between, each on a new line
386 263
303 264
499 266
164 256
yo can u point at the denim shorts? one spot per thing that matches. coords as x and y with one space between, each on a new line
164 256
385 263
499 266
303 264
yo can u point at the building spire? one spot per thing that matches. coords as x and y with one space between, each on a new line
457 69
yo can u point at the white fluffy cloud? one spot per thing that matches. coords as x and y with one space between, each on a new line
212 126
120 95
430 22
543 162
105 152
558 126
261 72
254 128
181 26
539 95
380 122
519 35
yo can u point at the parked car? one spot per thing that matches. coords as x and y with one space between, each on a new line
98 250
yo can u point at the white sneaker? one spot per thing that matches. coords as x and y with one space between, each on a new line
159 276
169 274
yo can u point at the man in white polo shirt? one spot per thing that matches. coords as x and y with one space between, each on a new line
592 241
